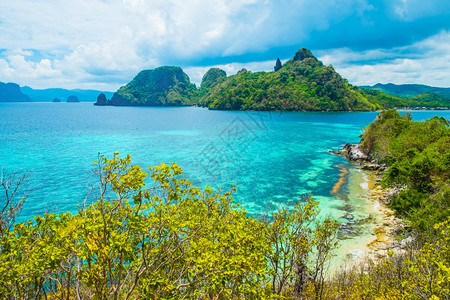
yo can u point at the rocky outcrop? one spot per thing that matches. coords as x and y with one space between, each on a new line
278 65
101 100
56 100
10 92
212 77
73 99
353 152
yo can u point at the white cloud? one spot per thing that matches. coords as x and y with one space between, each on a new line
425 62
89 43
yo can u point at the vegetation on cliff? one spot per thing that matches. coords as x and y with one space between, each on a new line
157 87
418 159
418 156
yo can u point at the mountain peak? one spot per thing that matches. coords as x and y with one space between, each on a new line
302 54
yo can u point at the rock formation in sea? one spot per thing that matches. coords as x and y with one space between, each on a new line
101 100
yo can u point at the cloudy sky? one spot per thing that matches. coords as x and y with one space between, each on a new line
103 44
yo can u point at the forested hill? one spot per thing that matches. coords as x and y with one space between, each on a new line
302 83
409 90
159 87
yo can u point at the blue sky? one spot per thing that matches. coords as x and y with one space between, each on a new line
103 44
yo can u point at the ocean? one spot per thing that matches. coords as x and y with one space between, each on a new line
273 158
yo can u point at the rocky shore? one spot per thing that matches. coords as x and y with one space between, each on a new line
388 228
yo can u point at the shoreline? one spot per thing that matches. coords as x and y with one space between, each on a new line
376 232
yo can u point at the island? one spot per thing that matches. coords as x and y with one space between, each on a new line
10 92
303 83
72 99
163 86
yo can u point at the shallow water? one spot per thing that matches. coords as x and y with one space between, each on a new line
273 158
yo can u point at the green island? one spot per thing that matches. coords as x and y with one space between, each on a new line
168 239
303 83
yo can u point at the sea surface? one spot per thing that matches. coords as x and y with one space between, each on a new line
272 158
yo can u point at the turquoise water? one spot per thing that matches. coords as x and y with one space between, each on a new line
272 158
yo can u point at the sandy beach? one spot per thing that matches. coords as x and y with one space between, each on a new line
369 226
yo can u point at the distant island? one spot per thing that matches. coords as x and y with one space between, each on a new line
72 99
49 95
10 92
409 90
303 83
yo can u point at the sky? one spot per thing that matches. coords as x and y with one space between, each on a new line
103 44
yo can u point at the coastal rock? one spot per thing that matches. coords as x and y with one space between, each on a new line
101 100
348 216
352 152
372 167
56 100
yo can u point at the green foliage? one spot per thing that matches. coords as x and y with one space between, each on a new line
160 86
170 240
431 100
418 155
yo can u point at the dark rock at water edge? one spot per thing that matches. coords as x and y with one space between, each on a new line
101 100
56 100
73 99
10 92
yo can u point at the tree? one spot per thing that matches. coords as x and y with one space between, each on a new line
9 204
166 239
301 248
